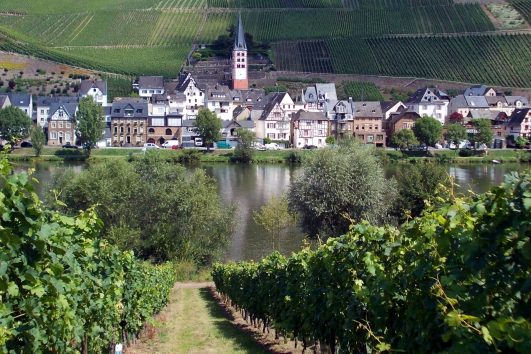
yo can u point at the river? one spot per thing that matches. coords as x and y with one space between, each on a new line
251 186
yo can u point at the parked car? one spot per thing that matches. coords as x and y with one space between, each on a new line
69 146
309 147
170 144
149 146
198 142
26 144
272 146
258 146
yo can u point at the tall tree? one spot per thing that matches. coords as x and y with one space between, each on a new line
14 124
338 185
404 139
208 125
455 133
90 123
37 139
484 132
427 130
244 151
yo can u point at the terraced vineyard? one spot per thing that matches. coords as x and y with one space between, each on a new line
524 7
329 36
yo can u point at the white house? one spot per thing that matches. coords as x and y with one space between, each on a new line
430 102
43 107
97 89
23 101
520 123
308 128
314 97
273 117
150 85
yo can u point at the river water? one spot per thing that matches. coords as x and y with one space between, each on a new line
251 186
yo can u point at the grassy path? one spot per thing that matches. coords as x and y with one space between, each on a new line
194 323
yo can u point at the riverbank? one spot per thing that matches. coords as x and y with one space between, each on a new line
279 156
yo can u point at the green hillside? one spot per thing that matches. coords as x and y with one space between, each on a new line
155 36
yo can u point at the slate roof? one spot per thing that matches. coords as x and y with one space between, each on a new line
511 100
251 96
151 82
269 102
476 101
320 93
139 107
404 114
518 116
19 99
425 95
239 40
493 100
47 101
3 99
220 93
330 107
476 90
368 109
70 108
303 115
483 113
87 85
247 124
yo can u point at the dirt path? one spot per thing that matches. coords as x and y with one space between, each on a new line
193 322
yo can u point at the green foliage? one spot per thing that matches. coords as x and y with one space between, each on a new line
338 185
520 142
455 280
404 139
427 130
63 288
14 124
267 140
244 151
330 140
90 123
362 91
274 217
208 125
484 133
38 139
170 224
456 133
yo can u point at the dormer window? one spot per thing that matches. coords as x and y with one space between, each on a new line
139 110
128 112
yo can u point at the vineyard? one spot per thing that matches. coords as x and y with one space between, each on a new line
455 280
524 7
362 91
62 288
127 36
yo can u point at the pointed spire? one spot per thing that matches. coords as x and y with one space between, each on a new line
239 40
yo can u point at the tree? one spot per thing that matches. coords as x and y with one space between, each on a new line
37 139
484 132
208 125
330 140
520 142
427 130
455 133
244 151
339 185
182 216
456 117
404 139
90 123
267 140
14 124
274 217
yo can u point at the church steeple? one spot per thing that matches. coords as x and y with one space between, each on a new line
239 39
240 80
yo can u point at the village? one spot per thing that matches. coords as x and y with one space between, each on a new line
164 110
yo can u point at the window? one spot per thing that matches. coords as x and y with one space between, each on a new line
60 125
61 114
151 130
53 135
115 130
271 135
271 125
139 110
168 132
53 124
67 125
42 111
121 130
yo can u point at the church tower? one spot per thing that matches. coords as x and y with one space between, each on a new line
240 80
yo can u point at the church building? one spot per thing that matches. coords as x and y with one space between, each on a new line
240 80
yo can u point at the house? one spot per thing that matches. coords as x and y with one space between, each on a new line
129 120
241 113
23 101
399 121
480 90
273 117
519 123
62 123
314 97
219 101
308 128
466 104
368 123
163 128
189 97
188 133
430 102
229 129
340 115
97 89
4 101
392 107
150 85
44 104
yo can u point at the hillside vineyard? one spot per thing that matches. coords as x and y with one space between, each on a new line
439 39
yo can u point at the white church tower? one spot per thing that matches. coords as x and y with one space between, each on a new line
240 80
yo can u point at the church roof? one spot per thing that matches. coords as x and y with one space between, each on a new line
239 40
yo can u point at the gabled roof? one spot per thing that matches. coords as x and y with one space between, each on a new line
87 85
476 90
151 82
493 100
4 99
239 38
320 93
332 107
518 116
511 100
139 107
69 108
483 113
250 96
19 99
47 101
303 115
428 95
220 93
184 80
404 114
368 109
270 101
476 101
247 124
